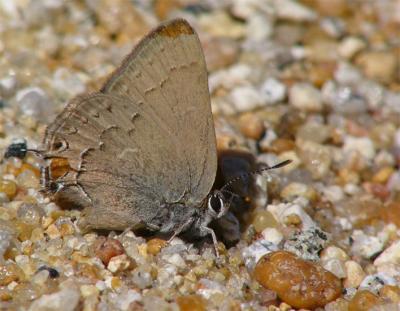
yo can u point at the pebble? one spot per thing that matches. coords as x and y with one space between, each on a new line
374 282
366 245
142 277
220 24
354 274
251 125
272 91
259 28
263 219
350 46
389 255
293 11
314 132
334 252
220 52
191 303
8 187
336 267
176 260
10 272
391 213
296 189
34 102
342 99
299 283
333 193
362 145
305 97
283 211
236 75
67 299
378 65
391 293
272 235
245 98
119 263
107 248
363 300
155 245
307 244
252 253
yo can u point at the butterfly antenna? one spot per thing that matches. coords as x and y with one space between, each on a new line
255 172
39 153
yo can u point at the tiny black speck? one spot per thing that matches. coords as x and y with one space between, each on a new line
16 149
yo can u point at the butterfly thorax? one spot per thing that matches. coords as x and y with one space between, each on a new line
179 218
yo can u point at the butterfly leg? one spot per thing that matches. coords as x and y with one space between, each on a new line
214 238
181 228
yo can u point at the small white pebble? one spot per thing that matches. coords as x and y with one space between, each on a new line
389 255
119 263
305 97
349 46
176 260
333 193
101 285
272 235
335 266
366 245
272 91
334 252
363 145
245 98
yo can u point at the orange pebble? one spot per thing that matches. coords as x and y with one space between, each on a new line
191 303
107 248
299 283
363 300
8 187
155 245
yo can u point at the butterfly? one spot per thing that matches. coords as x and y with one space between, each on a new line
141 152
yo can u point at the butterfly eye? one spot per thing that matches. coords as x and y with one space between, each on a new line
216 204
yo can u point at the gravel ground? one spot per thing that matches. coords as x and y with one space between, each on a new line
317 82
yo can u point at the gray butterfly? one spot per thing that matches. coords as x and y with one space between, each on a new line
141 152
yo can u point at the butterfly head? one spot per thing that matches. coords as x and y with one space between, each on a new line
217 205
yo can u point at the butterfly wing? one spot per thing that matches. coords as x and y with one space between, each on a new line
167 73
145 140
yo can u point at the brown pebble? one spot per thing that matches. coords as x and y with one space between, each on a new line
391 213
332 7
300 283
383 175
281 145
390 292
363 300
155 245
106 248
378 65
191 303
378 190
251 126
24 230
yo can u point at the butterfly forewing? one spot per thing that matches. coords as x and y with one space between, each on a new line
147 139
167 73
